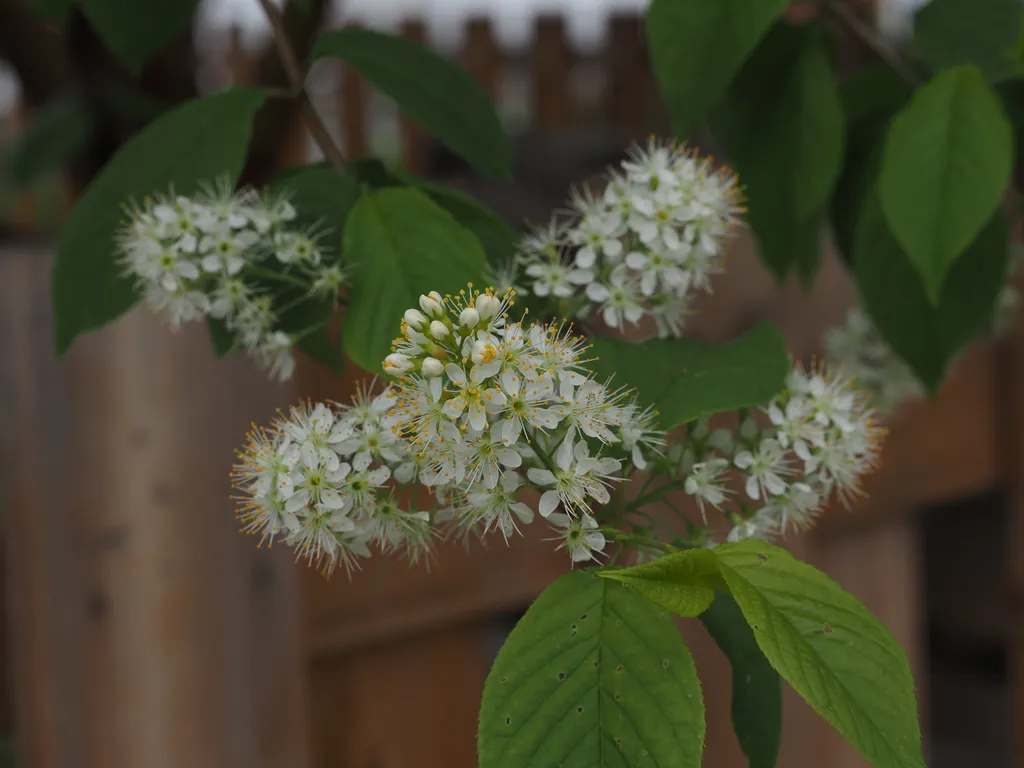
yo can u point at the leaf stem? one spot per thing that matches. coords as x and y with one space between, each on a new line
280 277
873 40
296 79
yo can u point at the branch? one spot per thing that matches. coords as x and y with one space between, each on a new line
296 80
873 40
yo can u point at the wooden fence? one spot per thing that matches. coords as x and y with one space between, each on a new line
146 632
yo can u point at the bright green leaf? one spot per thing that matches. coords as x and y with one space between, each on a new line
497 238
689 379
830 648
683 583
947 161
56 135
56 11
400 244
197 143
697 47
782 123
593 676
756 687
136 31
434 91
952 32
928 337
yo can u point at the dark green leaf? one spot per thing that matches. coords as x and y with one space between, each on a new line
927 337
697 47
688 379
830 648
952 32
197 143
400 244
756 687
783 125
948 159
593 676
56 11
56 135
875 90
323 199
497 238
434 91
135 31
222 341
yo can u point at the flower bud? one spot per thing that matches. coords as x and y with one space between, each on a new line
487 306
439 330
397 363
431 304
415 319
469 318
431 367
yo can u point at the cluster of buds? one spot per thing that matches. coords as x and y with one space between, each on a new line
228 256
643 246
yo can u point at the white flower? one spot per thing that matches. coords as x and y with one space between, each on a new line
619 299
524 406
766 467
432 367
431 304
656 269
575 478
580 536
495 507
640 433
275 354
181 306
704 483
486 457
556 279
225 249
469 318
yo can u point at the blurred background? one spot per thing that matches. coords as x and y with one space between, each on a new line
142 631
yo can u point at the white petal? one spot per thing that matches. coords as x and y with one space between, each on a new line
540 476
548 503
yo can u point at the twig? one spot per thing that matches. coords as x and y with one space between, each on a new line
296 79
873 40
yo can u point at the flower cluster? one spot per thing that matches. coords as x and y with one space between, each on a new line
491 406
820 438
202 256
863 354
485 414
641 247
318 479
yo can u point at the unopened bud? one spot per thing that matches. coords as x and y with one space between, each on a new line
487 306
431 304
415 319
431 367
397 363
469 318
439 330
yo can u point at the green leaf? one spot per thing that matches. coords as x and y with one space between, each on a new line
697 47
756 687
400 244
136 31
870 99
783 125
498 239
928 337
593 676
948 159
688 379
197 143
56 11
222 341
683 584
952 32
56 135
434 91
830 648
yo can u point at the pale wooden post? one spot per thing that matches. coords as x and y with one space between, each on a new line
146 630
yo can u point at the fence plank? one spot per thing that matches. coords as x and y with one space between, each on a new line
410 703
414 140
147 631
481 55
551 66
